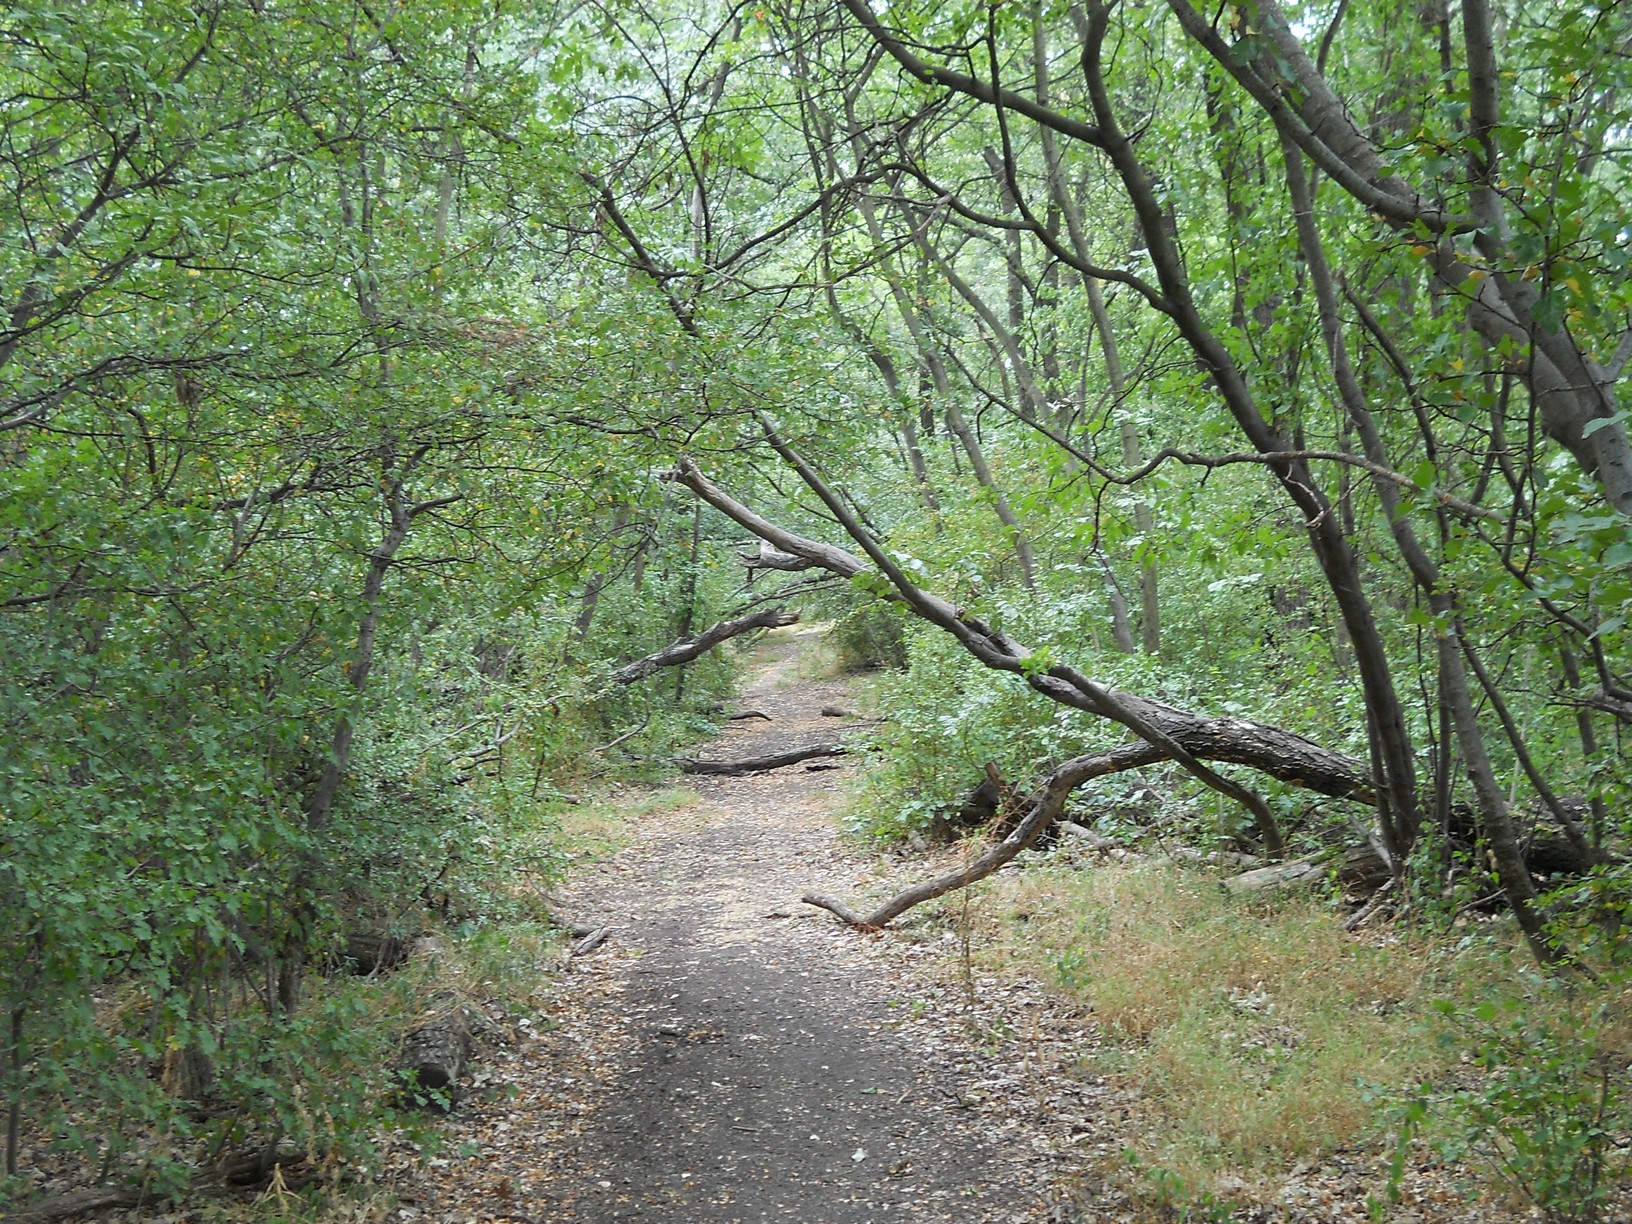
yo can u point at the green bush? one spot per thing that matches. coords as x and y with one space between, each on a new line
1545 1110
869 638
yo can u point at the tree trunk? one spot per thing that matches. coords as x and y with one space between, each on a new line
748 765
433 1058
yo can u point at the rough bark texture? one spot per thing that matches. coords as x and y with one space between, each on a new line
689 648
775 760
433 1059
1283 754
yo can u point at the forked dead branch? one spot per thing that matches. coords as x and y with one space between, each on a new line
1165 732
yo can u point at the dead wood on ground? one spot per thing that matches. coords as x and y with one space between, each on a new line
434 1056
748 765
79 1202
1167 733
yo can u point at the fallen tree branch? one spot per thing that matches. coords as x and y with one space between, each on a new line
578 930
1043 809
992 647
590 942
1282 754
1278 875
689 648
1364 914
82 1202
627 735
775 760
1169 734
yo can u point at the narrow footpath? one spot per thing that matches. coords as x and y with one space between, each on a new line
730 1054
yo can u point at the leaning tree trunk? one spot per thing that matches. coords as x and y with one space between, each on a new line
688 648
1168 733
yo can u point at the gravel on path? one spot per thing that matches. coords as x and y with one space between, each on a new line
733 1055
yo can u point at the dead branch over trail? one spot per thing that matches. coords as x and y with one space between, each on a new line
689 648
1166 732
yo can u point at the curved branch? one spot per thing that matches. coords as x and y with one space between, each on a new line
1046 806
967 85
689 648
1169 733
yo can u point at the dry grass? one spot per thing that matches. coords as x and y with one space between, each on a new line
600 827
818 660
1255 1033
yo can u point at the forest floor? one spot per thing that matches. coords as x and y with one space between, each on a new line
730 1054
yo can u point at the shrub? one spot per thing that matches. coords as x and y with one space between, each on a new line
1547 1111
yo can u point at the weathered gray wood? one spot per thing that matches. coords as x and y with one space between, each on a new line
1279 875
1363 869
576 929
747 765
591 941
433 1058
689 648
254 1167
1086 837
1214 858
770 558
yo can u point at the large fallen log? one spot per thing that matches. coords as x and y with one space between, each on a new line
1178 735
1275 876
689 648
433 1058
748 765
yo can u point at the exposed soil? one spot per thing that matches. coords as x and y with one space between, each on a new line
730 1054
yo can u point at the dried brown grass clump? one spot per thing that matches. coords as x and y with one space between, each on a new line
1256 1032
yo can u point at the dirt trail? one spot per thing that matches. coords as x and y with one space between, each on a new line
733 1055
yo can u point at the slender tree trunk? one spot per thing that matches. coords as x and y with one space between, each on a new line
1453 681
956 423
320 803
1121 627
1000 505
1589 741
688 615
14 1108
1150 610
1061 198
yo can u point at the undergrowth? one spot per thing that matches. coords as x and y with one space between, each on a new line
1258 1035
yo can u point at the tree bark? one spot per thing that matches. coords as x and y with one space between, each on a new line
689 648
1171 733
748 765
433 1058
